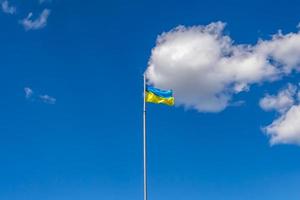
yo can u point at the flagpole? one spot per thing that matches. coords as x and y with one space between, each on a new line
145 142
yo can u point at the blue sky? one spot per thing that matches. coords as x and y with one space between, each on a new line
78 132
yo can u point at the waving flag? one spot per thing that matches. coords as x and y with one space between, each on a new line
154 95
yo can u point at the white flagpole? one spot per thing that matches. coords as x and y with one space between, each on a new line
145 141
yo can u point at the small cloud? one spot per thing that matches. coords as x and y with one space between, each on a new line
8 9
45 1
29 95
36 24
286 128
47 99
238 103
28 92
281 102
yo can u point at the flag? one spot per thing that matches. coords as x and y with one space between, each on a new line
154 95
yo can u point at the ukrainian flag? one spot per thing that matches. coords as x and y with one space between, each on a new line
154 95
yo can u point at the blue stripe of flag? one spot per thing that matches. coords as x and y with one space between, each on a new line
159 92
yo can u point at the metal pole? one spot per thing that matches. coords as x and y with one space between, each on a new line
145 141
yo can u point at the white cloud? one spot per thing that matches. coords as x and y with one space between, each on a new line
281 102
28 92
205 68
47 99
38 23
286 128
8 9
284 49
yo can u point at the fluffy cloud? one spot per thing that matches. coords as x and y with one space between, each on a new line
280 102
283 49
205 68
38 23
8 9
285 129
